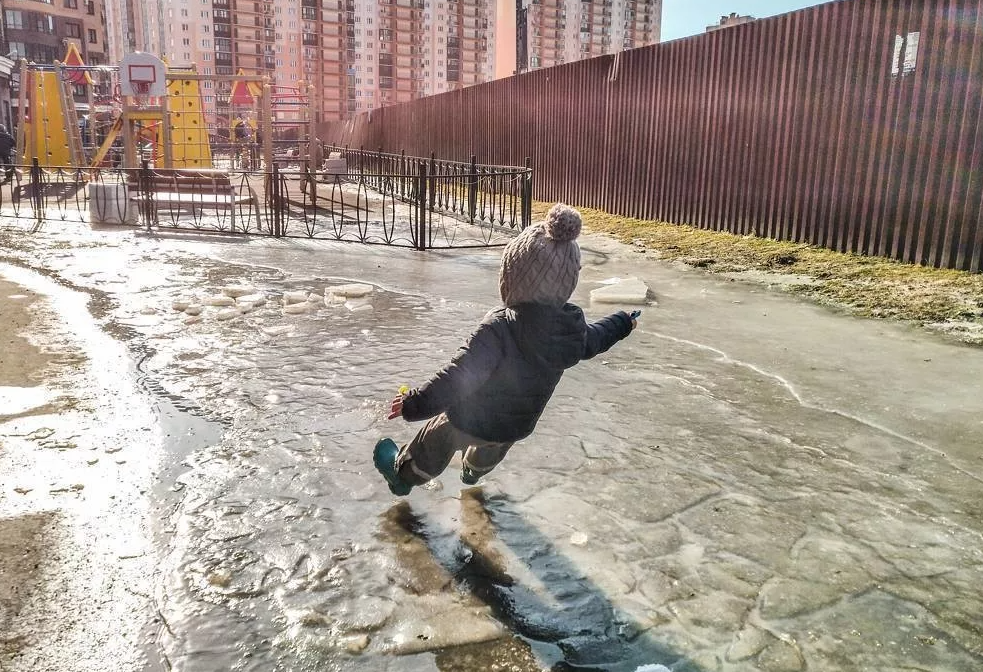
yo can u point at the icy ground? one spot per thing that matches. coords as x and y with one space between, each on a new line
747 483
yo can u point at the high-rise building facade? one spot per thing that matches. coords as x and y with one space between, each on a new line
41 31
552 32
349 55
376 53
135 25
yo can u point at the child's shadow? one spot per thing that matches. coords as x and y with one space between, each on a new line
566 620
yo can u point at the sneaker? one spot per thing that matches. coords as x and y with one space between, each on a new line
384 457
469 477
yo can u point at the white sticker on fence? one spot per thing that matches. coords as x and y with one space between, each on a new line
905 54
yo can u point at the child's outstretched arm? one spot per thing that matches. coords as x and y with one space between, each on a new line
604 333
473 364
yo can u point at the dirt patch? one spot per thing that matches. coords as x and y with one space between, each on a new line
942 300
21 363
21 541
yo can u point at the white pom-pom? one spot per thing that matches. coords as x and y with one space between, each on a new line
562 223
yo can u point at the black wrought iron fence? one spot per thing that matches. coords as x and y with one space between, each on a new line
356 196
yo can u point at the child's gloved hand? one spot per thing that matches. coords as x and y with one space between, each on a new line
633 316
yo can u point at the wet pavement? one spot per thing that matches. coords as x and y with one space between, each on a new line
748 482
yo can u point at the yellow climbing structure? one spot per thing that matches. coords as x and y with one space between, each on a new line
189 146
47 129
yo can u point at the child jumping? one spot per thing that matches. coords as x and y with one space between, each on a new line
497 385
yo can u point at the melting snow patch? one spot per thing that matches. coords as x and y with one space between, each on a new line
235 291
297 308
294 297
220 301
228 314
353 290
278 329
255 300
653 668
621 290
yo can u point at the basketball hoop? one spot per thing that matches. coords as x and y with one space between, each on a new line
141 93
142 78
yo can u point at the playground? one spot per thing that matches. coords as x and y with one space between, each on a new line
166 148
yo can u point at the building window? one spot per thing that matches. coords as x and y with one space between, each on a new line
93 37
73 30
14 19
71 4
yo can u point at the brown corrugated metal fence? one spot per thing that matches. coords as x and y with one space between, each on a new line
855 125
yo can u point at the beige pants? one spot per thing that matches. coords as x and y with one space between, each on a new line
428 454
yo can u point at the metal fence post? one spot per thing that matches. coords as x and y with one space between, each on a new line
276 204
433 180
527 194
473 189
146 186
421 208
37 189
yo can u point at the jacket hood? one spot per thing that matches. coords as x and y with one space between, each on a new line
549 335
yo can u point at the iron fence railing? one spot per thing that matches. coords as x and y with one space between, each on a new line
371 198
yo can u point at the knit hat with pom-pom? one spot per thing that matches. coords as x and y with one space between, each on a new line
542 264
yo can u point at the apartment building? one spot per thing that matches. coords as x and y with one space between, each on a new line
40 31
349 55
136 25
552 32
376 53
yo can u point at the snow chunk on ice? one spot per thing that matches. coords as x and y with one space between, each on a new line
193 309
220 301
621 290
235 291
297 308
353 290
578 539
278 329
255 300
228 314
330 298
180 305
290 298
653 668
358 306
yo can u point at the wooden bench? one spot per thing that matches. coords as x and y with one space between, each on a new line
194 188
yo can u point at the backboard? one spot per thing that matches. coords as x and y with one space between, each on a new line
142 74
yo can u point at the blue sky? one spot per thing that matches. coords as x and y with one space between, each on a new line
682 18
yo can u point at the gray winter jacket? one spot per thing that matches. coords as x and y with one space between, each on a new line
499 382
